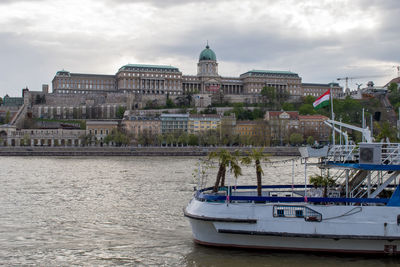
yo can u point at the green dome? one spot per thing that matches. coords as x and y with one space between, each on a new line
207 54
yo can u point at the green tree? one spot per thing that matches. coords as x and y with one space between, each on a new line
310 140
26 140
225 158
169 103
268 95
8 117
120 112
193 140
309 99
324 181
393 87
296 139
256 155
118 137
307 109
183 139
170 139
160 139
385 130
288 106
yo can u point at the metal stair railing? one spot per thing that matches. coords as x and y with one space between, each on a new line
342 153
376 182
390 153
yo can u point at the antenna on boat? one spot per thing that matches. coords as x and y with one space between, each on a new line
305 180
292 176
229 184
199 175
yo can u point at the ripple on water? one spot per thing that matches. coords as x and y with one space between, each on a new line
118 211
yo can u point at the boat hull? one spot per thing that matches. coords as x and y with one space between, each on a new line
253 226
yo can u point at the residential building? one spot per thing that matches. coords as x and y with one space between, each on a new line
11 136
138 125
99 129
313 125
203 122
246 128
173 123
281 125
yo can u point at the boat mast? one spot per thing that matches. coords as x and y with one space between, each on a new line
332 113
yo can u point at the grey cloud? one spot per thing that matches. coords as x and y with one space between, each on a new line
163 3
6 2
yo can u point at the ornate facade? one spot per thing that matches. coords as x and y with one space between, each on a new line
156 80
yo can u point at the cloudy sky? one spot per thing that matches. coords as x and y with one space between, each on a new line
320 40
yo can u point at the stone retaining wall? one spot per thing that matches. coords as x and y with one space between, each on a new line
133 151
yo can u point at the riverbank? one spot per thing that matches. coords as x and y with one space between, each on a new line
133 151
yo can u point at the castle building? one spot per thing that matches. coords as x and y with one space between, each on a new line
156 80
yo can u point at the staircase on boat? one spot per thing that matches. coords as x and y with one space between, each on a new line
363 170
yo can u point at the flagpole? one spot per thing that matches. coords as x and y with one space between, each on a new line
332 115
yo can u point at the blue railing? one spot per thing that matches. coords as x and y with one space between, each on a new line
212 197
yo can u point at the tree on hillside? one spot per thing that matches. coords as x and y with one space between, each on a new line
296 139
268 94
120 112
288 106
310 140
393 87
385 131
8 117
169 103
309 99
307 109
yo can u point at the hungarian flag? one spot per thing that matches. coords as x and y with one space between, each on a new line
322 101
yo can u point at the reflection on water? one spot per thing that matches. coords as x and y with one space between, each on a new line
120 211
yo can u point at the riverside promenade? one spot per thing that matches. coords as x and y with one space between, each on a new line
134 151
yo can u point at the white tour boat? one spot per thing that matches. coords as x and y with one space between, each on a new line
361 213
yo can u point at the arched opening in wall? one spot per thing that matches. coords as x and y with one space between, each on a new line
56 142
62 142
35 142
49 142
69 142
76 142
12 142
101 141
43 142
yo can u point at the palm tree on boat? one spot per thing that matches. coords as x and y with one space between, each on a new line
256 155
322 181
224 159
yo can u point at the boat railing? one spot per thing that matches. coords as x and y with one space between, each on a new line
372 182
206 195
342 153
390 153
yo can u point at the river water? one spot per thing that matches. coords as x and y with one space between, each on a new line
99 211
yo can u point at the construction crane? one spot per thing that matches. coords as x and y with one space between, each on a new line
357 77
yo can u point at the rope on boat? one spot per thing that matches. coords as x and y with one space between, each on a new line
278 163
348 213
